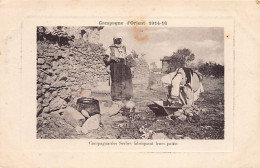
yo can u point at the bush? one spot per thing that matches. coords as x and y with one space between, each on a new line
213 69
181 58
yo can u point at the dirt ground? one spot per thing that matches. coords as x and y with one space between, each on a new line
209 126
127 125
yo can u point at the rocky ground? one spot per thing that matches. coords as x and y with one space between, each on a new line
205 120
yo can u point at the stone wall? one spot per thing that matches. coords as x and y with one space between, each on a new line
67 68
141 73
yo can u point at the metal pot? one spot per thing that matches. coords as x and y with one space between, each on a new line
88 104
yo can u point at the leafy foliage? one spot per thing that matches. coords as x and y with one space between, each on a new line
181 58
213 69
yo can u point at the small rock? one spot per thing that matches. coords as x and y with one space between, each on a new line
47 95
91 124
40 61
78 129
110 108
45 102
188 111
42 75
57 71
39 92
122 125
72 79
54 77
190 114
73 117
184 107
63 93
182 117
181 110
75 88
208 127
159 136
114 109
54 65
178 113
186 138
58 84
203 110
57 104
56 56
54 94
46 110
39 80
46 86
85 113
48 80
61 61
39 100
178 136
45 66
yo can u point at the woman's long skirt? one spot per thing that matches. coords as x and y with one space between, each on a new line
121 81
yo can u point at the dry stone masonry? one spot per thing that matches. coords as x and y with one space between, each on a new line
69 61
141 73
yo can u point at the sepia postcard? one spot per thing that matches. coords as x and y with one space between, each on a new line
130 88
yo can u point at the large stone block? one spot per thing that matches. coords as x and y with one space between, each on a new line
57 104
91 124
73 117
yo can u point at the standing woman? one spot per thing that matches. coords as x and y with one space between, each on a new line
121 77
